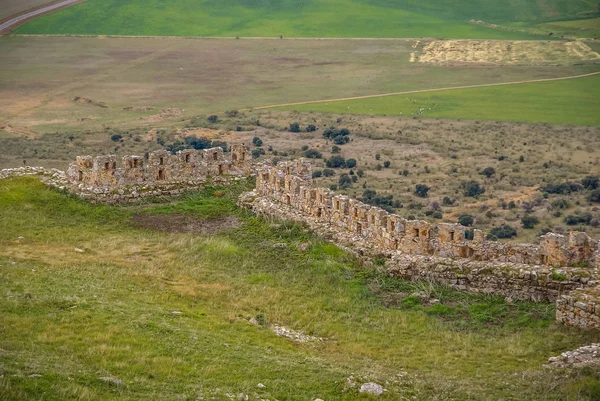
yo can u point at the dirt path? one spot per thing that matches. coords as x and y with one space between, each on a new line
17 20
421 91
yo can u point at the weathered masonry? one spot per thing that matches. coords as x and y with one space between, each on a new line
439 252
161 173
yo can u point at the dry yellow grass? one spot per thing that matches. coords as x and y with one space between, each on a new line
506 52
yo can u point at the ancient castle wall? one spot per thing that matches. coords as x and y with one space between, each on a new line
161 173
418 249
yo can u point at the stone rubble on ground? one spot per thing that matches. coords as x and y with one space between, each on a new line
588 355
371 388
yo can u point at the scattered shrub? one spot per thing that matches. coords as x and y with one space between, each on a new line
387 164
311 128
488 172
447 201
529 221
590 182
560 204
336 149
421 190
256 153
562 189
594 196
317 174
294 127
212 118
465 220
336 162
574 219
472 188
328 172
312 154
350 163
116 137
257 141
503 231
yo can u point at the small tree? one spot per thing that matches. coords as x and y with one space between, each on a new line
344 181
294 127
312 154
213 119
350 163
529 221
488 172
116 137
257 141
256 153
336 162
311 128
472 188
421 190
503 231
595 196
590 182
387 164
465 220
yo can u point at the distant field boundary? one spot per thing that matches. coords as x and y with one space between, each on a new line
530 81
428 38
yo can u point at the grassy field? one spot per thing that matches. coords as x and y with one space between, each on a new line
586 28
560 102
42 75
167 314
307 18
11 7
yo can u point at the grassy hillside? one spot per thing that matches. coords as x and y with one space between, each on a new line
571 101
306 18
166 314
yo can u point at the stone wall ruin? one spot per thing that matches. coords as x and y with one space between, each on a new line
420 250
160 173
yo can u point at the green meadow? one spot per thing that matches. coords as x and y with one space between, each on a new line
305 18
572 101
143 314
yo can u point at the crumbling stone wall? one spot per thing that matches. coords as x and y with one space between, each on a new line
421 250
161 173
580 308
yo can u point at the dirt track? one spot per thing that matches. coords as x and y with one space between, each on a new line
15 21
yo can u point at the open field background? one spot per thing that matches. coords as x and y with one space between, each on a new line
12 7
167 314
559 102
309 18
42 75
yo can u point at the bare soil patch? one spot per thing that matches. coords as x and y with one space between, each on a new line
179 223
481 52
